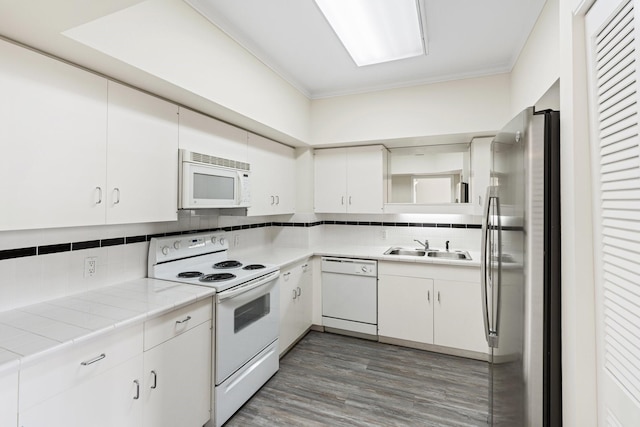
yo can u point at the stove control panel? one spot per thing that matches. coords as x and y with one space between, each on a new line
169 248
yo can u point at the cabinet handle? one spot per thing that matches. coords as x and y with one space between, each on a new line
438 296
94 360
117 190
277 200
155 379
295 294
299 290
137 396
342 200
286 275
273 200
186 319
429 296
99 195
349 200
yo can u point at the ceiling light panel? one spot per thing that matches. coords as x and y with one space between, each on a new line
375 31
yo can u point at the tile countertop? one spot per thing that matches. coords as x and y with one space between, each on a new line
284 256
30 332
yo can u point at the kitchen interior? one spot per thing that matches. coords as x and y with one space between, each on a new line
223 184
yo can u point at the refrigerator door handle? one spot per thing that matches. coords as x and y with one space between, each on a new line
486 265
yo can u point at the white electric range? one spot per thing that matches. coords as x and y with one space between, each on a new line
246 311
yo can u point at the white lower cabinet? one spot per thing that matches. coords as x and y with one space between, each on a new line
156 374
416 304
9 399
177 387
457 318
97 384
296 299
109 399
177 371
405 308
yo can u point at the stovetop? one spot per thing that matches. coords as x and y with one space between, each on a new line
201 259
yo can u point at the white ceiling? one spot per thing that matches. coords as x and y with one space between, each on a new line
466 38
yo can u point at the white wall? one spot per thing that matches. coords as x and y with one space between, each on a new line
538 66
578 310
170 40
470 105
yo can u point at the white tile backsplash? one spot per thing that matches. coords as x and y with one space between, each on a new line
29 280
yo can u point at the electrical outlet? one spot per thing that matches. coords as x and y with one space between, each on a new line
236 240
90 266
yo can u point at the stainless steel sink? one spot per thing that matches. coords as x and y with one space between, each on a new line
404 251
449 255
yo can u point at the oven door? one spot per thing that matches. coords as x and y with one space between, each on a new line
247 321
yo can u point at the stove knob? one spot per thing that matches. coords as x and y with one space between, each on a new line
165 250
176 244
221 240
364 268
213 239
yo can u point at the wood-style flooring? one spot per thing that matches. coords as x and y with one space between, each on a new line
334 380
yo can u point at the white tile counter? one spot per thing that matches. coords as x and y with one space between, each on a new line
30 332
283 256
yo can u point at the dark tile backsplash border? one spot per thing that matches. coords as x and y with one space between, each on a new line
116 241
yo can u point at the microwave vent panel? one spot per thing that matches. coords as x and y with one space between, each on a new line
218 161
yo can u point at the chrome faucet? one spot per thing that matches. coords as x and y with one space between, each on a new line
425 244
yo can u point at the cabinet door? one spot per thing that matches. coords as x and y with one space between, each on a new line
366 168
273 180
53 133
330 180
405 308
480 173
142 157
206 135
177 380
9 399
288 279
112 398
458 316
304 299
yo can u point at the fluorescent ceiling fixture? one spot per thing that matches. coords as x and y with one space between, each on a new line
375 31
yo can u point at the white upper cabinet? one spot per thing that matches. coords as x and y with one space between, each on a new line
352 180
53 122
480 171
79 150
142 157
205 135
330 180
273 177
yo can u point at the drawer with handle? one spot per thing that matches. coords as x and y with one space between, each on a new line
76 364
163 328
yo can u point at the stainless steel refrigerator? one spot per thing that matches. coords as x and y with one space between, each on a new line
521 272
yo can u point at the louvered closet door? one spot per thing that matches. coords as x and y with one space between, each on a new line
612 33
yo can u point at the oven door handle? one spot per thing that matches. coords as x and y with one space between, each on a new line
252 284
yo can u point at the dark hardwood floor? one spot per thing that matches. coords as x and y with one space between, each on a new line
333 380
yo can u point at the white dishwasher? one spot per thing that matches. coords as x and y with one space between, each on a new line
350 295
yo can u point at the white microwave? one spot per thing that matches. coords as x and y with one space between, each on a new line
212 182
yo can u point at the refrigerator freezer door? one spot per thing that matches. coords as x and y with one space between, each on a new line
505 282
